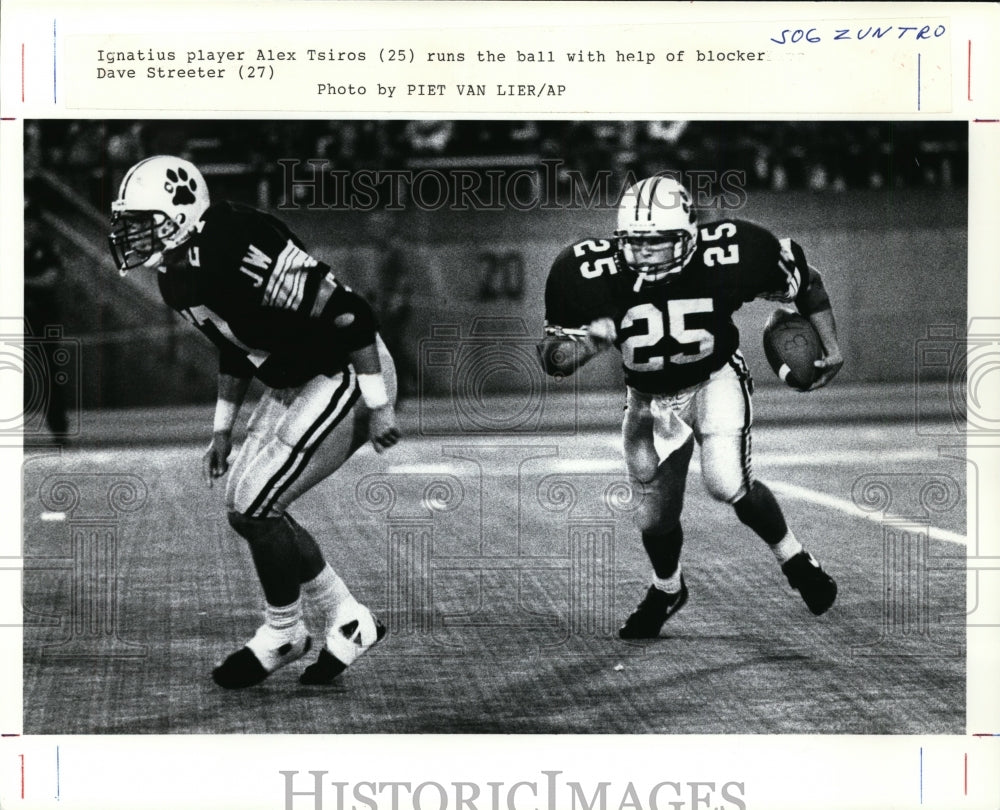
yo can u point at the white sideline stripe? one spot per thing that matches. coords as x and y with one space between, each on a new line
569 465
608 464
846 457
840 505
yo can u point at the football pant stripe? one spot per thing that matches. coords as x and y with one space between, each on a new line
338 406
299 458
746 448
311 450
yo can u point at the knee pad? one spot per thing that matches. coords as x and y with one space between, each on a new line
727 491
727 477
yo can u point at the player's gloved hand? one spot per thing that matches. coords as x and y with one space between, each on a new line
830 365
382 429
216 460
603 333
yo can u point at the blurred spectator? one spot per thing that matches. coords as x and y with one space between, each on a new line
428 137
124 149
778 155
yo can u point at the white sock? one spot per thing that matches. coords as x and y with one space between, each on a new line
671 584
786 548
283 620
327 591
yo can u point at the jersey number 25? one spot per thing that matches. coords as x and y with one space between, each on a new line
636 349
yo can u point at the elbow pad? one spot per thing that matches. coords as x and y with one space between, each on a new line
351 318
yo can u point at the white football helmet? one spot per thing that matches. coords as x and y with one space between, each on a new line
657 228
159 203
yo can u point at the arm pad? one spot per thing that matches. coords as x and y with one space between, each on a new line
352 319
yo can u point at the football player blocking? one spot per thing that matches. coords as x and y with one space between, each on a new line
274 313
663 292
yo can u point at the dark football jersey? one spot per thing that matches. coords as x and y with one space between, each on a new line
673 335
272 310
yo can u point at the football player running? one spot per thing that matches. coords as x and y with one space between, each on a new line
663 292
275 313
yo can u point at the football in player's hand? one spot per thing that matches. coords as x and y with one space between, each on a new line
792 346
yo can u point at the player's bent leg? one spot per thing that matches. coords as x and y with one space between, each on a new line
275 556
666 595
658 519
283 637
321 586
759 510
723 424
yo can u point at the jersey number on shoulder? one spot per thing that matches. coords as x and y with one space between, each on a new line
581 249
676 315
716 255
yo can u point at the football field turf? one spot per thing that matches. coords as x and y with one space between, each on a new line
503 567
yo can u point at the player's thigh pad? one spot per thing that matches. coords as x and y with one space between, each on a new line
723 414
296 440
265 417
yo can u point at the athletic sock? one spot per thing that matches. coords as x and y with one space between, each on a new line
328 592
671 584
786 548
284 619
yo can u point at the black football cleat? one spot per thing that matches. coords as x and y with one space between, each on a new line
344 644
261 656
648 619
807 577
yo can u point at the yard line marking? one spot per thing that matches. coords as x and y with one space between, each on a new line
849 508
846 457
826 458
